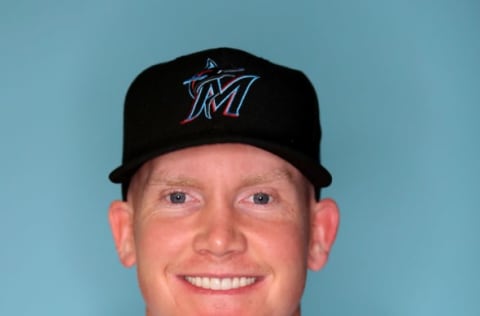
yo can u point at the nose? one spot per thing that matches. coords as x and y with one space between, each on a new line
220 234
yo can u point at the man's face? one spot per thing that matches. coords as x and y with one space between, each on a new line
219 230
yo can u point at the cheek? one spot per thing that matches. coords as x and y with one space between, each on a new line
288 243
285 252
283 245
158 241
159 248
296 234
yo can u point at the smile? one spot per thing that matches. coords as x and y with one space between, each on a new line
220 284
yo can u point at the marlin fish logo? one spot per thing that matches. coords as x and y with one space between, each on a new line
213 88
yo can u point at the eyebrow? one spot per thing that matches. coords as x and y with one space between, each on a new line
162 178
275 175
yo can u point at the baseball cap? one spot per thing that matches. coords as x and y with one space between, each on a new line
221 95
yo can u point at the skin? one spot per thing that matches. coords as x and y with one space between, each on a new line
222 211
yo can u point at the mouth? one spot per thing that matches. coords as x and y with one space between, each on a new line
220 284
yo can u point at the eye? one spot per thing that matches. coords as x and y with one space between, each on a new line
177 197
261 198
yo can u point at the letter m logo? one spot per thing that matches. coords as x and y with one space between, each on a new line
213 89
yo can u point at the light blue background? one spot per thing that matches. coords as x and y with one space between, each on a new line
399 86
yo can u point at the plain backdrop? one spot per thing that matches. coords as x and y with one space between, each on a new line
399 86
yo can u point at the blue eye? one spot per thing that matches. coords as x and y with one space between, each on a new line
261 198
177 197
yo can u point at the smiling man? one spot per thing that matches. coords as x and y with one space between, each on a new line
220 178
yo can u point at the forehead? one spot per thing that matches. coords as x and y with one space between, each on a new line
195 159
243 162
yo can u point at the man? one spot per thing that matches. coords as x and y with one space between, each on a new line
220 181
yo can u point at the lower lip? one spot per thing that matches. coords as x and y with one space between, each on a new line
239 290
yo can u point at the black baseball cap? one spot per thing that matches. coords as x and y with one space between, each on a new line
221 95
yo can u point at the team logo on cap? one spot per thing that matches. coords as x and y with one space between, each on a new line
214 88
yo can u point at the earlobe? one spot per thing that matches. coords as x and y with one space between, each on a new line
120 217
324 222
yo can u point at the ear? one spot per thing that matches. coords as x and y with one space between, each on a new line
120 216
324 222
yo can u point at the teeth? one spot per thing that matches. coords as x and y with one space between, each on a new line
222 284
